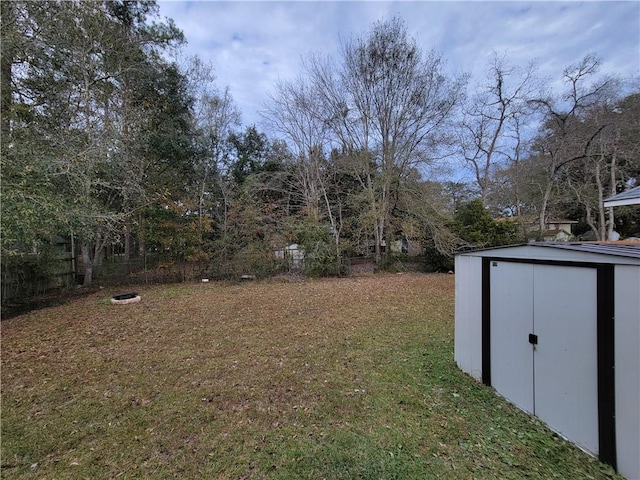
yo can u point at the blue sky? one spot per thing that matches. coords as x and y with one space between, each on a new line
253 45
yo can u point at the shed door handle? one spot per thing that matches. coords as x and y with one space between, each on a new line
533 339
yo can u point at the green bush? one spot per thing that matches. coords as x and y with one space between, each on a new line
473 224
320 257
435 260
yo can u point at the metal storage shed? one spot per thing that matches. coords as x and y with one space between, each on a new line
555 329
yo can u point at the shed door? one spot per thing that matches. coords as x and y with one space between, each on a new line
565 360
555 379
511 324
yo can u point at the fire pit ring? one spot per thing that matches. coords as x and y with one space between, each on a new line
125 298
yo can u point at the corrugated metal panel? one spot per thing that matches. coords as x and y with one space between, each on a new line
628 250
631 194
627 362
620 250
468 321
512 307
565 373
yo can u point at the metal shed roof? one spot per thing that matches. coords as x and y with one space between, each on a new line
628 197
629 250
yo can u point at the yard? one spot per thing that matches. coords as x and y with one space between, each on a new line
336 379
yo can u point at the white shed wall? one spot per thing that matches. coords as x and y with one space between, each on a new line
468 315
468 337
627 372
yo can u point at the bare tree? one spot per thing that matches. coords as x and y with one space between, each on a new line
490 129
387 103
610 161
565 138
294 113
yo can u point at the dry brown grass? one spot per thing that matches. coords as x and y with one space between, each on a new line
336 378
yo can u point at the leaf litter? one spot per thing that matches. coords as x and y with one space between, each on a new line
271 379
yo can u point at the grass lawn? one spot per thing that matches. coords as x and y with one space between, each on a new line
323 379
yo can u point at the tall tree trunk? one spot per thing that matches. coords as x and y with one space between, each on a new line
127 241
612 191
590 222
602 221
91 257
140 237
377 236
87 262
543 207
6 65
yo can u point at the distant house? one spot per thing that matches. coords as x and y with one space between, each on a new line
555 230
628 197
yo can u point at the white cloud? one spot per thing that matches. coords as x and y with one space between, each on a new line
254 44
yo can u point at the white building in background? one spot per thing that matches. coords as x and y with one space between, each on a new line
293 255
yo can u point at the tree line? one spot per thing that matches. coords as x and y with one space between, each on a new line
108 141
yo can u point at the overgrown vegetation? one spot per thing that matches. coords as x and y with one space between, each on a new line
334 378
474 225
106 141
